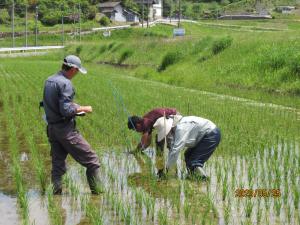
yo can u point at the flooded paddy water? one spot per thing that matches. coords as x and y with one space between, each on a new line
133 194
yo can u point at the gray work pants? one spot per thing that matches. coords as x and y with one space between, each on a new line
64 140
199 154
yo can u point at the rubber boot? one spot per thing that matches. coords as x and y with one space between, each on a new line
57 186
197 173
94 181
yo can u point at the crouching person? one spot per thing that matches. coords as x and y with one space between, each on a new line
63 136
200 136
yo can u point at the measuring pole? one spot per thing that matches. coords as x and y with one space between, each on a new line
62 27
143 8
148 6
179 14
74 23
26 26
13 23
79 22
36 24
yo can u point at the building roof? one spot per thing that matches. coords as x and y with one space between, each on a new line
108 4
146 1
108 10
129 11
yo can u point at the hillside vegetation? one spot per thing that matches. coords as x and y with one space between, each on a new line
248 61
51 12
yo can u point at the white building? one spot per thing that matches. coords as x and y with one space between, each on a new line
155 8
285 9
158 9
115 12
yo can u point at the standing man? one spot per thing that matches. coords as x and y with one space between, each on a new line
144 125
200 136
60 113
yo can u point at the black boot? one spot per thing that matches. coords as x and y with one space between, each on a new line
93 178
57 186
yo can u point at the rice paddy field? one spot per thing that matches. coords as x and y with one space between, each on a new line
254 174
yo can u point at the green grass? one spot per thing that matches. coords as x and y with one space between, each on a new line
95 89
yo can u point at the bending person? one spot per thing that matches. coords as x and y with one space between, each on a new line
200 136
144 125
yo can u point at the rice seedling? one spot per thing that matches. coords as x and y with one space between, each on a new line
95 217
224 188
53 209
258 213
187 209
226 214
72 186
277 204
162 216
296 196
248 208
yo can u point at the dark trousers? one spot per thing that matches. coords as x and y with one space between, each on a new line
64 140
198 155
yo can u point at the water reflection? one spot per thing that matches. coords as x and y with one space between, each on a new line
8 210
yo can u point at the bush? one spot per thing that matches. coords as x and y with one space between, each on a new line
51 18
221 44
31 25
170 59
102 49
4 16
295 66
111 45
78 49
91 14
104 21
274 57
125 55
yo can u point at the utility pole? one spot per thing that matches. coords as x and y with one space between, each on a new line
62 26
74 21
143 7
79 18
148 6
26 26
179 12
36 24
170 13
13 23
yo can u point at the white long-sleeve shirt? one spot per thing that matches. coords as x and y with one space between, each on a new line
189 131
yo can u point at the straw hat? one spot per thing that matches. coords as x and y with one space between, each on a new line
163 126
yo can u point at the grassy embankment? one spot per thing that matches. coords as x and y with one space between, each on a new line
257 60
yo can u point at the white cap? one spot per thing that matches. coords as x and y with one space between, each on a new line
163 126
74 61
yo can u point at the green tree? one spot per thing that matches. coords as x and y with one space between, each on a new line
196 9
4 16
168 8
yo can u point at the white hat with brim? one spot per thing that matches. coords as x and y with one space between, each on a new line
163 127
74 61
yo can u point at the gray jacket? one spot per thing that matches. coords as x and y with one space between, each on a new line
188 133
58 99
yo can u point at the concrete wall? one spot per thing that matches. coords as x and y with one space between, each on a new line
119 17
158 10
